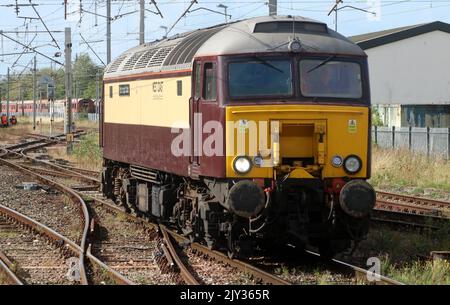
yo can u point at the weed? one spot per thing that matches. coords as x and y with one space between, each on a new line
420 273
407 169
87 152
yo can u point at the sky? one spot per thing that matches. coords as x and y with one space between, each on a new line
125 28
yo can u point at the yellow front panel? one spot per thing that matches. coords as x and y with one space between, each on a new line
344 128
152 102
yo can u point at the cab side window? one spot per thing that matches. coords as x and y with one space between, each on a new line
197 84
209 82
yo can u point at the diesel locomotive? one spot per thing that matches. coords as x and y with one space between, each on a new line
246 136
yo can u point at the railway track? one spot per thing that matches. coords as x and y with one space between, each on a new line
174 244
125 267
87 263
127 245
36 252
172 253
410 211
411 204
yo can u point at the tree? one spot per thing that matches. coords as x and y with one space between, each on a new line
84 81
376 117
85 77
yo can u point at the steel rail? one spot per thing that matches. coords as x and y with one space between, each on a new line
238 264
51 172
24 151
420 201
185 274
81 170
5 268
255 272
50 234
410 208
409 219
82 250
361 273
116 276
173 256
72 195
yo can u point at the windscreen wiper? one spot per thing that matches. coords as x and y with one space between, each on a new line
321 64
266 63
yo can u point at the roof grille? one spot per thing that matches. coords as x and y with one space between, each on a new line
185 51
145 59
115 65
160 56
129 65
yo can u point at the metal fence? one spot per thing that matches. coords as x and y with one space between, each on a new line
430 141
93 117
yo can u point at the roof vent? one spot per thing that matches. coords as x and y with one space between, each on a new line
144 60
159 57
115 65
129 65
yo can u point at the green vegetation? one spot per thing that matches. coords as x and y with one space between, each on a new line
407 169
402 246
85 77
376 117
421 273
87 152
402 254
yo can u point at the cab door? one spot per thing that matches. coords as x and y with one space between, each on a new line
203 108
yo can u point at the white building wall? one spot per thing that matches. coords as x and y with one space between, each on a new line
411 71
390 115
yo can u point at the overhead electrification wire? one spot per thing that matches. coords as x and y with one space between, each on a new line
51 35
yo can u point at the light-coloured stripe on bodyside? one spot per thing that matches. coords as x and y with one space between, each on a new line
152 102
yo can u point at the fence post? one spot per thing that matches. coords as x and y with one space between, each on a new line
376 134
393 136
428 141
448 144
410 138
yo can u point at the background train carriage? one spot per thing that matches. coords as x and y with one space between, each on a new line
157 87
43 106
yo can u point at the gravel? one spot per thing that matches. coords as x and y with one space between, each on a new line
35 261
50 208
128 247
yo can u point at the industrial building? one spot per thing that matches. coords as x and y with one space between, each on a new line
409 71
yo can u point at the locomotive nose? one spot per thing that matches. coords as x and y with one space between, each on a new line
357 198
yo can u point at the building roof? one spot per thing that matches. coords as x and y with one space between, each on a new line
375 39
254 35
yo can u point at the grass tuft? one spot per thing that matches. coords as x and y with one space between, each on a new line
87 152
407 169
420 273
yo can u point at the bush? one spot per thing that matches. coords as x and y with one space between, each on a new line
88 152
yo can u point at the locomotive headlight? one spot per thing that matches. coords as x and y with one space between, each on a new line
242 165
352 164
337 161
